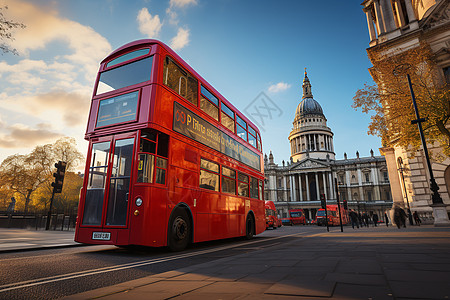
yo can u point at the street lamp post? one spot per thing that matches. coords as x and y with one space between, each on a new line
401 169
439 211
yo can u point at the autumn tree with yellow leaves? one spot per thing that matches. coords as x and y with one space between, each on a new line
28 177
389 101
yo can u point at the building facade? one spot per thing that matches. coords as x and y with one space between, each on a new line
312 169
396 26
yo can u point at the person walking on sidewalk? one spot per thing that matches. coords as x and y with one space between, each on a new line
416 218
375 219
354 218
386 219
399 217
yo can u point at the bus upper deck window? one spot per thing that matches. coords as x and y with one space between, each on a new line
227 117
125 75
180 81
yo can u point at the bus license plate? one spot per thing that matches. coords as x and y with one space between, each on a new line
104 236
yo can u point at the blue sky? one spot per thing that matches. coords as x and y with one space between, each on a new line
241 47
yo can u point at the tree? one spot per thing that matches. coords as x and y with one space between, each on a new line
390 100
6 26
22 176
28 174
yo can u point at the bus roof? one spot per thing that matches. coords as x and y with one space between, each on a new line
138 43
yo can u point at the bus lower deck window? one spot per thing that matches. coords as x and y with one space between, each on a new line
209 177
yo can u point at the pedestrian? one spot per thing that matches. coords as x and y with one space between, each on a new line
416 218
354 218
375 219
366 219
386 220
399 217
360 219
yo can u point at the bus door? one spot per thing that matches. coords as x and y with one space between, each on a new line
108 187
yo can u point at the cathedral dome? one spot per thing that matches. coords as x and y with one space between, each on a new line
308 106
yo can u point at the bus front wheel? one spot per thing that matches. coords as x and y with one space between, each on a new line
179 230
249 228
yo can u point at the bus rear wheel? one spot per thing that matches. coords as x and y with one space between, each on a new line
179 230
249 228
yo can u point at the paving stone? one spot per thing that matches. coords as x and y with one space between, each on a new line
360 266
420 290
363 279
234 288
305 287
159 290
415 275
344 291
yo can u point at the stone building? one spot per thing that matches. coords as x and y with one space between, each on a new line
312 169
396 26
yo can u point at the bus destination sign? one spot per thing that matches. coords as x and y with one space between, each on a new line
191 125
118 109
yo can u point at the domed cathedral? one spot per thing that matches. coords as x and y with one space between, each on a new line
310 136
312 171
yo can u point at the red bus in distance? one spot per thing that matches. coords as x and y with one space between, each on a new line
272 219
296 217
333 216
170 160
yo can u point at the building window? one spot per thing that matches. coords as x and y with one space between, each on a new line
369 196
366 175
385 176
446 74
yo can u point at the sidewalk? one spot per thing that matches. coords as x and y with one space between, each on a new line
22 239
369 263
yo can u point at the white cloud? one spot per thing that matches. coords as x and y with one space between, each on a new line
182 3
177 4
180 40
279 87
57 88
86 47
148 25
21 135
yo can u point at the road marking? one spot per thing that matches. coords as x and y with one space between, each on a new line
40 281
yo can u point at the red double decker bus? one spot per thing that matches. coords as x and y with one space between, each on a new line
170 160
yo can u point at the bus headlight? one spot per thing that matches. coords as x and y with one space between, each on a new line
138 201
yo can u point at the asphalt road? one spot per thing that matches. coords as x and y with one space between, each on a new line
55 273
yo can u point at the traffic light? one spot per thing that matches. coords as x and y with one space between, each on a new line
345 204
59 176
323 202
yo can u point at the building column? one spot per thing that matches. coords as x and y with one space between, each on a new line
300 187
388 15
376 183
410 12
285 194
379 16
400 17
291 188
361 191
332 189
349 190
308 196
324 185
317 185
294 190
372 33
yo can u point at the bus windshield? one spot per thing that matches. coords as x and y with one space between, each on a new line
126 75
321 213
296 214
